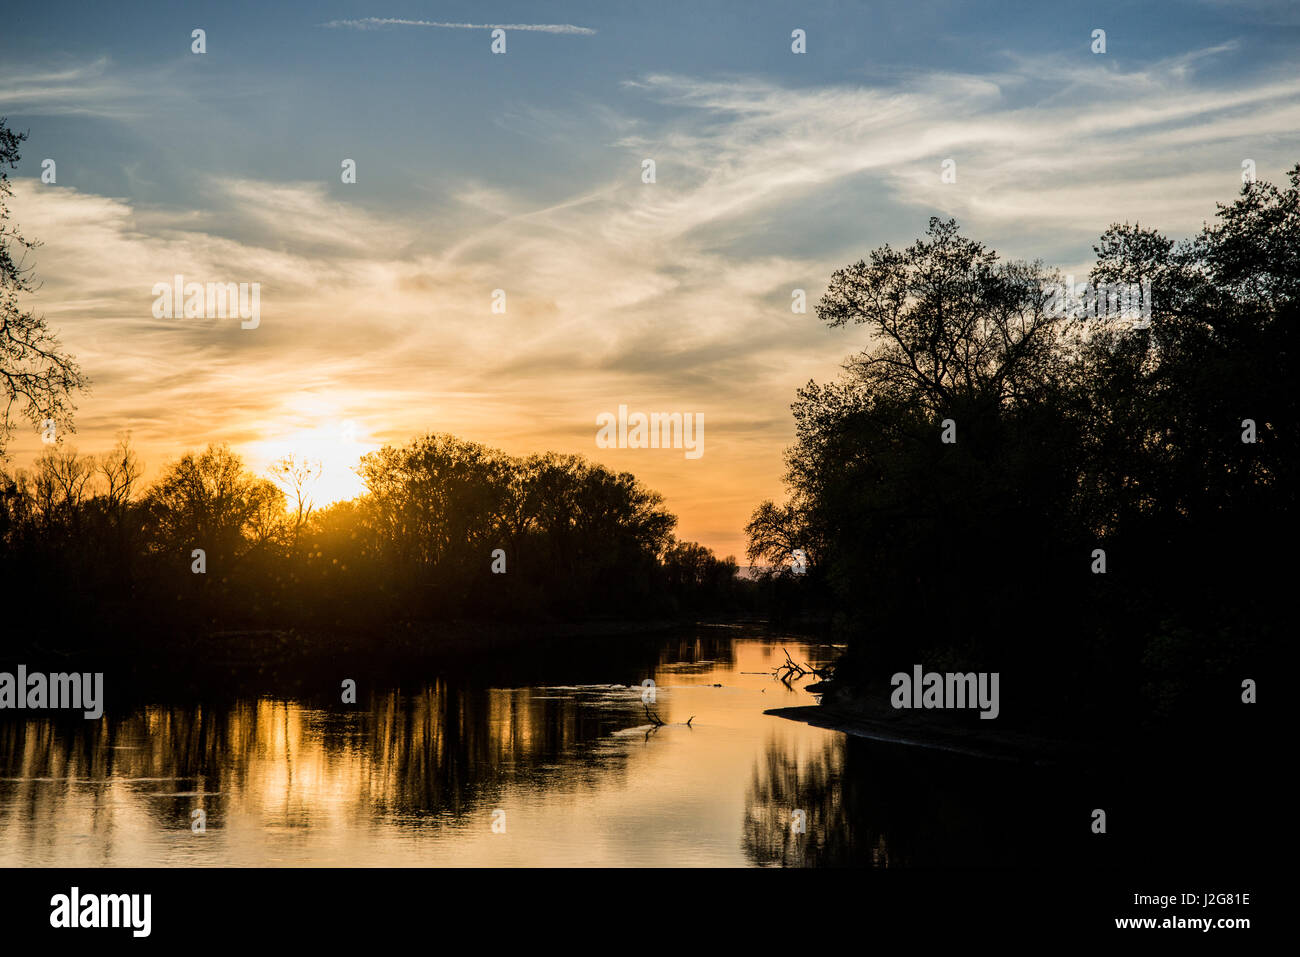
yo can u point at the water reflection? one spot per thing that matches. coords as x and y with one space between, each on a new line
875 805
413 774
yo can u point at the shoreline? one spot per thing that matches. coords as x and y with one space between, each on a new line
889 727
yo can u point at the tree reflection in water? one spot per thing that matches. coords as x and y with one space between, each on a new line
868 804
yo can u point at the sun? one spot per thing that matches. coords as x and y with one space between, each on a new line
336 447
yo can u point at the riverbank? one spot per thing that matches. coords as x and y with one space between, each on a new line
910 730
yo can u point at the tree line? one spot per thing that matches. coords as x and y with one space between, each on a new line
1095 508
447 528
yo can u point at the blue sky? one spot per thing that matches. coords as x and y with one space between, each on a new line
523 171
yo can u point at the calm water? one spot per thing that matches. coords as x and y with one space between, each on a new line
416 775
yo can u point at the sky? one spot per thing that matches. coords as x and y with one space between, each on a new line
523 172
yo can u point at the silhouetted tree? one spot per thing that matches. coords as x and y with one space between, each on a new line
1061 437
209 501
39 378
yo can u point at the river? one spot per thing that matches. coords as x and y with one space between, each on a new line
466 769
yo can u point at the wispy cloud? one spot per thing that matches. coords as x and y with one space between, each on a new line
1042 155
80 88
374 23
671 295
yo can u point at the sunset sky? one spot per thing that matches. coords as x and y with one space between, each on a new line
523 172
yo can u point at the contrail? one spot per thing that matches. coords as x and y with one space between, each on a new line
369 23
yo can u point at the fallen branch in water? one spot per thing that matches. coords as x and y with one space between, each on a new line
792 671
657 722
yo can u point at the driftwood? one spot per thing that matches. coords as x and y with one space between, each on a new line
657 722
792 671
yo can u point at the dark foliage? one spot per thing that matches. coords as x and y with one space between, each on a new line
81 554
1071 436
